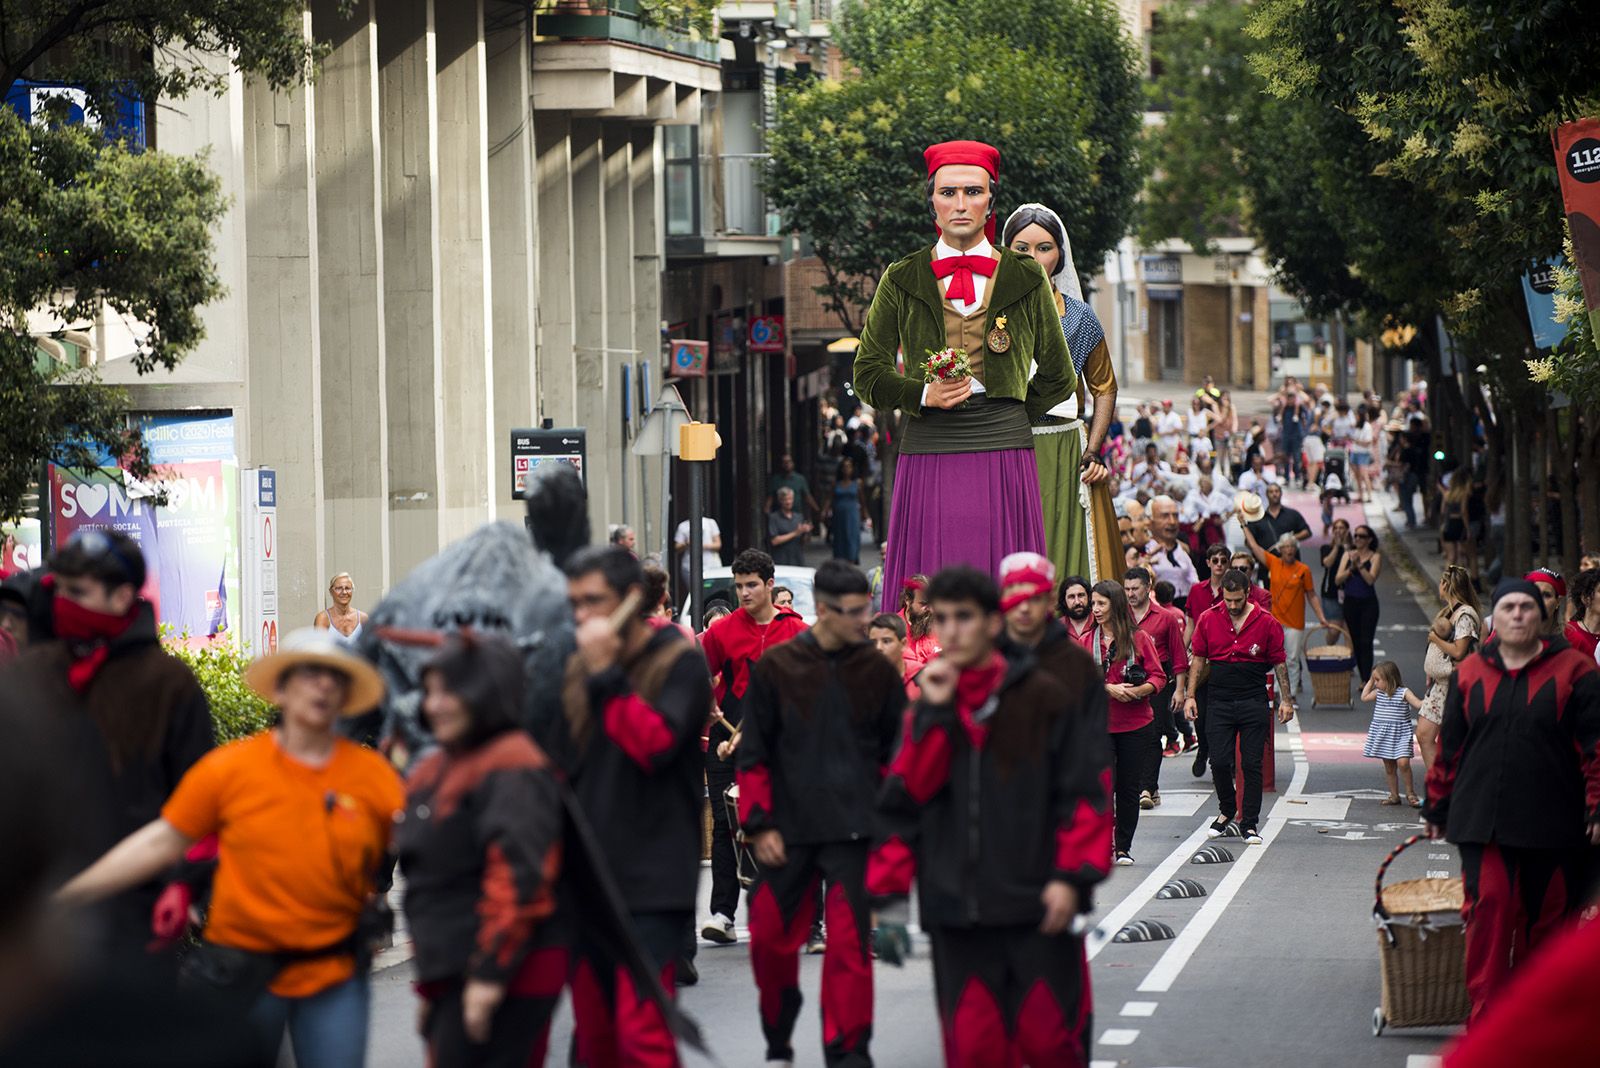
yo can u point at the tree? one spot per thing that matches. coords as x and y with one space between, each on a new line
88 219
847 165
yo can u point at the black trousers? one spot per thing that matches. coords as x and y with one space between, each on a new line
1248 721
1202 745
518 1035
1010 995
1361 616
1161 705
724 864
1132 754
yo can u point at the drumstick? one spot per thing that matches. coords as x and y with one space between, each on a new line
625 611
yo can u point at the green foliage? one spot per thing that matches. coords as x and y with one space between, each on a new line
86 221
219 665
1574 367
1058 96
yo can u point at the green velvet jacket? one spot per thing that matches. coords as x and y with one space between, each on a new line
907 314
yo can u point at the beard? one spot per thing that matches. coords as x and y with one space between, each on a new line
1077 613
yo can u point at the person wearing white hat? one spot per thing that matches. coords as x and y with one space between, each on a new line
303 820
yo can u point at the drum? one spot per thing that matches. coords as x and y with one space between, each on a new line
743 858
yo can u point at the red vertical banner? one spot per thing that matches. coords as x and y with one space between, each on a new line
1577 146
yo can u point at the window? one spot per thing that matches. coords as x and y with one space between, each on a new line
682 165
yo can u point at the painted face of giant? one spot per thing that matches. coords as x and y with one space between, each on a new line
962 201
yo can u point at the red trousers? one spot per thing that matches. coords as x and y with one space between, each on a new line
614 1025
1010 996
1515 900
782 907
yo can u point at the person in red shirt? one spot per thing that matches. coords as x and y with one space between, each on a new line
1583 630
1133 675
1072 604
1240 645
1164 627
888 633
921 645
731 645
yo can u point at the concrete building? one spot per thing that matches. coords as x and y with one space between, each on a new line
455 232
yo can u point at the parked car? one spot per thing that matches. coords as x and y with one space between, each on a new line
718 585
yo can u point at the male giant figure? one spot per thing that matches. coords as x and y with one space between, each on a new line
966 488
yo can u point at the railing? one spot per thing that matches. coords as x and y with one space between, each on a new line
617 20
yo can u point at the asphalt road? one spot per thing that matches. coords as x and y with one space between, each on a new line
1276 965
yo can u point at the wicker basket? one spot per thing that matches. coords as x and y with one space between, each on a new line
1331 667
1421 951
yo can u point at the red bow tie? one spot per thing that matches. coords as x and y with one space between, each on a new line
959 270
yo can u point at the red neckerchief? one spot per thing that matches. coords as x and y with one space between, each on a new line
973 689
90 631
959 270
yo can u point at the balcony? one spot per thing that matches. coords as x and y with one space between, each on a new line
716 208
595 57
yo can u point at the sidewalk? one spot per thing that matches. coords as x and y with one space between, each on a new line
1414 554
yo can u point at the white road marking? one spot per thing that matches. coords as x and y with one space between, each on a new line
1100 935
1423 1060
1438 875
1178 803
1172 962
1138 1008
1103 1064
1118 1037
1310 808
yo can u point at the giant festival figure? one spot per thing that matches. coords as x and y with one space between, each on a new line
966 488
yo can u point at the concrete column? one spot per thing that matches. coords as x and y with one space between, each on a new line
511 250
280 208
617 179
413 379
589 228
355 423
464 274
647 263
557 368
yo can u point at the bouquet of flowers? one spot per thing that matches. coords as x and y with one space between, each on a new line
947 365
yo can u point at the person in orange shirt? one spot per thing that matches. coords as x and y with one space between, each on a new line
1290 582
303 819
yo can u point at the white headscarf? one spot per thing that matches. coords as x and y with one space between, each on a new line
1066 277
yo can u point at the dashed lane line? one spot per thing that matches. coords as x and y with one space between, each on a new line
1118 1036
1172 962
1138 1008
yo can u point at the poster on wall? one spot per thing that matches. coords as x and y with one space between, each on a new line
21 545
190 544
530 448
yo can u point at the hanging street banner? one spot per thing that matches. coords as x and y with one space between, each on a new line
1577 146
1539 289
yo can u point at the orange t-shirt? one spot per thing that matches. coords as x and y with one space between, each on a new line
1290 585
296 847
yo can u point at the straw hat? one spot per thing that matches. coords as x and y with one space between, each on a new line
313 645
1250 507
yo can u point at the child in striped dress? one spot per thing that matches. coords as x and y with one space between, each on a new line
1390 736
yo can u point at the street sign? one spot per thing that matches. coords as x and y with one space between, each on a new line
532 447
689 358
658 435
766 333
260 505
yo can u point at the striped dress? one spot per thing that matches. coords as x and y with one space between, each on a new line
1390 736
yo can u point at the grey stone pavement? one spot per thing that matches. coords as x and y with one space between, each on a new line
1276 965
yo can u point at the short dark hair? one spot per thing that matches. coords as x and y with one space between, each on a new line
958 584
1067 584
754 562
1165 592
839 578
888 621
1234 581
1220 548
620 568
655 585
1137 574
109 557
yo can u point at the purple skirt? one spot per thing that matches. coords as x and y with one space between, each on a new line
973 508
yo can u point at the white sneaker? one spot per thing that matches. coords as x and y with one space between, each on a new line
719 930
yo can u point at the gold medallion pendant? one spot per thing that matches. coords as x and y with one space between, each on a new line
998 340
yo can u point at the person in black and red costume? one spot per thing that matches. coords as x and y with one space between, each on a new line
480 845
633 701
996 804
1516 786
136 716
820 720
731 645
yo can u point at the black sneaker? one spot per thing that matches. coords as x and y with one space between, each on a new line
1250 835
1220 826
685 974
1123 858
1199 769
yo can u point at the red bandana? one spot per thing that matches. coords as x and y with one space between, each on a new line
82 627
973 689
961 287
